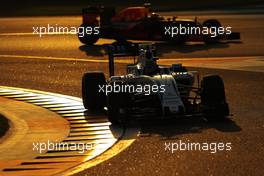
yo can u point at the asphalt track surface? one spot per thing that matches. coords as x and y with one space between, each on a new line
26 61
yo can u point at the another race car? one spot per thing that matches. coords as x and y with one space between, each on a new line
140 23
149 90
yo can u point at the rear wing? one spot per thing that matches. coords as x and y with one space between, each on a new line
125 50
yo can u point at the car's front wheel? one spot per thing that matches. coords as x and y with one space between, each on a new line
213 99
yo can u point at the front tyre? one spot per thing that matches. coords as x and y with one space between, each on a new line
93 98
213 99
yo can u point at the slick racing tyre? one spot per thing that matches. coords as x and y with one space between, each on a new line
178 39
93 99
212 25
87 39
115 108
213 98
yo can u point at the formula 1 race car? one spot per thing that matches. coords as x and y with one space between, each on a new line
140 23
149 90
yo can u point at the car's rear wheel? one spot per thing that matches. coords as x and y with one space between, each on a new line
115 108
178 38
213 99
94 99
212 24
87 39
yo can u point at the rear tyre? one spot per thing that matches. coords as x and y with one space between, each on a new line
178 39
87 39
213 99
115 108
210 24
93 99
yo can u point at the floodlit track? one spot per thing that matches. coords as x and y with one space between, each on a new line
56 63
